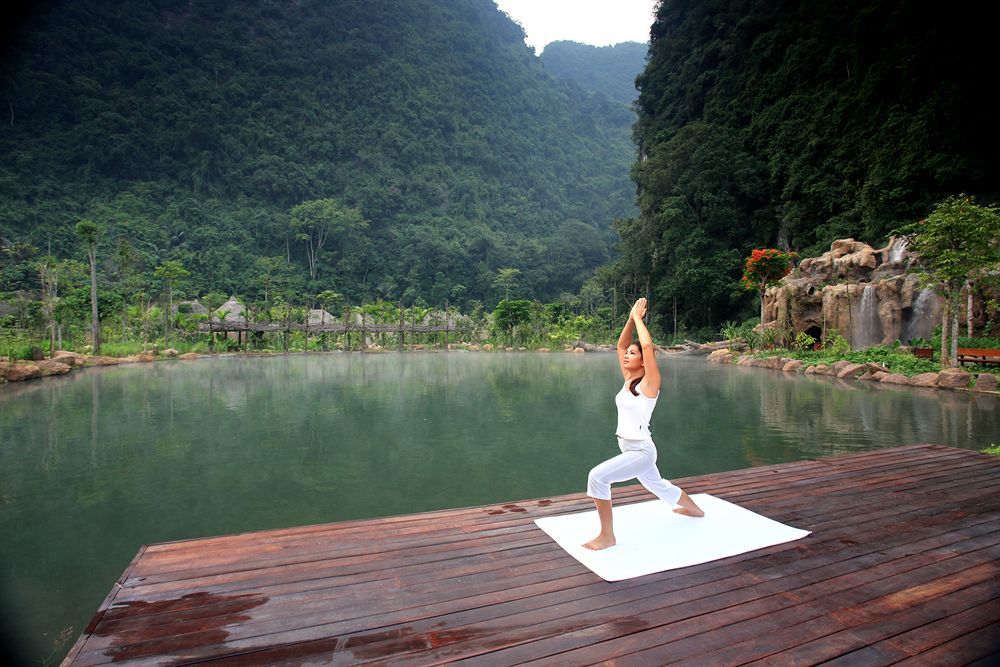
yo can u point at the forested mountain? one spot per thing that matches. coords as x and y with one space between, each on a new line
791 124
598 69
218 133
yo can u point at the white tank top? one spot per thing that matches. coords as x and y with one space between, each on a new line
634 413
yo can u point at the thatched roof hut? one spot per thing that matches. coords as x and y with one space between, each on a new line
231 311
193 307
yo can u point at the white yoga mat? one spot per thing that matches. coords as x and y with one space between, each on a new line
651 537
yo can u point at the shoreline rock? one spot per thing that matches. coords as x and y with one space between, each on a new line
948 378
65 361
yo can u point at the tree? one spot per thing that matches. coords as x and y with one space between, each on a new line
313 222
506 279
89 231
766 267
52 273
171 272
269 269
49 277
126 259
509 315
955 242
15 268
328 300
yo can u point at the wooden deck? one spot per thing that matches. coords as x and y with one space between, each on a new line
902 567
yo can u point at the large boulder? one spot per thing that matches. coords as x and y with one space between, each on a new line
792 366
69 358
924 380
850 370
952 378
838 366
986 382
102 361
53 367
20 371
895 378
723 356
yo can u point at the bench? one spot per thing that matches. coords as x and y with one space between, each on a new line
978 355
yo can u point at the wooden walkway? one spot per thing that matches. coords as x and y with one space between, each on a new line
902 567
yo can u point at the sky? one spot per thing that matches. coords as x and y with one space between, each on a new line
597 22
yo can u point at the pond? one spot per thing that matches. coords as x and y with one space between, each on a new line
95 464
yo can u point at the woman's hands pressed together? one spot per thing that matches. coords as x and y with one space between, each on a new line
639 308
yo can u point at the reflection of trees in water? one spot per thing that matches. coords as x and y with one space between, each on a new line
760 417
427 430
107 459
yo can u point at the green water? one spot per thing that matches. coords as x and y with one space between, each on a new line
95 464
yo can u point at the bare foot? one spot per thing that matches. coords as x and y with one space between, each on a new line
600 542
688 506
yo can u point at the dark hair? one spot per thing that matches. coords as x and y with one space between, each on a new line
635 382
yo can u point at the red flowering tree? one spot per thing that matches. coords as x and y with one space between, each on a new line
766 267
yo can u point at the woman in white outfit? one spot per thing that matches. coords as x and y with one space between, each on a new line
635 404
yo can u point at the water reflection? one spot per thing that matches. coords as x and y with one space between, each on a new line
94 464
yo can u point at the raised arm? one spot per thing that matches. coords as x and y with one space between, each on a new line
650 384
624 341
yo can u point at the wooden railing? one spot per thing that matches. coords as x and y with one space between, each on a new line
333 327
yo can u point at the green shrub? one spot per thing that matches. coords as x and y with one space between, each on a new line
730 330
836 343
803 342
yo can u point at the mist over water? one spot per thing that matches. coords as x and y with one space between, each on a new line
96 464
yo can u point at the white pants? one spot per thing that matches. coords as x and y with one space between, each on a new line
638 459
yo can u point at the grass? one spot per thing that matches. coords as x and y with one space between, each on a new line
895 361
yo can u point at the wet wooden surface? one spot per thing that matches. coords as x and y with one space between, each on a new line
903 566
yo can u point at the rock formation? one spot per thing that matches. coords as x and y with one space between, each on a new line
870 296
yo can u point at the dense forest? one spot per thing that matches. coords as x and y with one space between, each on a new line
381 149
610 70
418 151
792 124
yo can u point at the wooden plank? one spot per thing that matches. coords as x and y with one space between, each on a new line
895 569
881 627
692 614
966 647
864 460
231 553
344 586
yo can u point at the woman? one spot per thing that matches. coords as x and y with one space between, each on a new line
635 406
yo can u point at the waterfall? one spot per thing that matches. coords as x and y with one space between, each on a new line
867 327
926 311
897 250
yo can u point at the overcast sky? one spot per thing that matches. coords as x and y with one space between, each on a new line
597 22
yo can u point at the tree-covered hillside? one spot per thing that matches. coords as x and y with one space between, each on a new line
611 70
211 133
792 124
